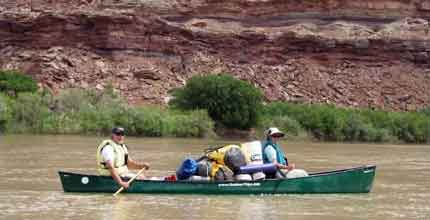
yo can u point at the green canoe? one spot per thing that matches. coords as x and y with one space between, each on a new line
353 180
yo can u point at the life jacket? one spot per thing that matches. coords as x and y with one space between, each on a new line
120 158
280 155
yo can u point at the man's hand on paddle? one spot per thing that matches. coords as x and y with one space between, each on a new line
115 175
145 165
125 184
132 164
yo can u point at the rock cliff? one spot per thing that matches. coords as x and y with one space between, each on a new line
368 53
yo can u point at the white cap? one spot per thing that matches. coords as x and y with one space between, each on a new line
274 131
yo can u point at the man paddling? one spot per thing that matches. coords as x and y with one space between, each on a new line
113 159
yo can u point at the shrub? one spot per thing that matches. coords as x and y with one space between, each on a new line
189 124
72 100
412 127
425 111
327 122
331 122
28 113
353 128
285 123
231 102
5 111
99 119
76 111
12 82
148 121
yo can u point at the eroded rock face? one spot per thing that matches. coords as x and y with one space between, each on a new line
372 53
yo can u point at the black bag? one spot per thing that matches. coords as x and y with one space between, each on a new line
234 159
204 168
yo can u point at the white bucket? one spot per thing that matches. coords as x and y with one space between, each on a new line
198 178
296 173
253 151
243 177
258 176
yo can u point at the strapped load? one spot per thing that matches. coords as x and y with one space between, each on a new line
192 171
234 159
220 172
204 168
254 158
230 155
187 169
253 152
218 154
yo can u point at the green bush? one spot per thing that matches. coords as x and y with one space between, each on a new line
100 119
412 127
231 102
327 122
13 82
76 111
156 122
189 124
28 113
148 121
73 100
324 122
425 111
5 111
285 123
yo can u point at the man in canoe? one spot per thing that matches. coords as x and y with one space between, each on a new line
272 153
113 158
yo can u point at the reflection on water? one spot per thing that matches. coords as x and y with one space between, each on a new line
30 187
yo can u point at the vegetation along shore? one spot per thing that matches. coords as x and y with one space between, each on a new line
205 105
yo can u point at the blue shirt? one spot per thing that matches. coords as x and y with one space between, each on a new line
269 149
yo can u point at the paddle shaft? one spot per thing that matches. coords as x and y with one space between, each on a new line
131 180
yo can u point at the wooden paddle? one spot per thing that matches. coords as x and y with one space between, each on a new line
131 180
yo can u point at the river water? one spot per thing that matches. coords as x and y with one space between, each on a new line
30 186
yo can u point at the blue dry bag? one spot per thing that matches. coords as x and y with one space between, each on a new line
187 169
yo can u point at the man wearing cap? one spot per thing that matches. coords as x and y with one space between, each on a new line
113 159
272 152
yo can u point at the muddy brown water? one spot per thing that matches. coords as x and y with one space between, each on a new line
30 186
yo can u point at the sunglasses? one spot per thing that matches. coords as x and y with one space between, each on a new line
277 136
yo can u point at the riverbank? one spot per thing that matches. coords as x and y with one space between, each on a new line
95 113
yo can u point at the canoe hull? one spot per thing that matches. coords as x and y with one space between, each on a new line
354 180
